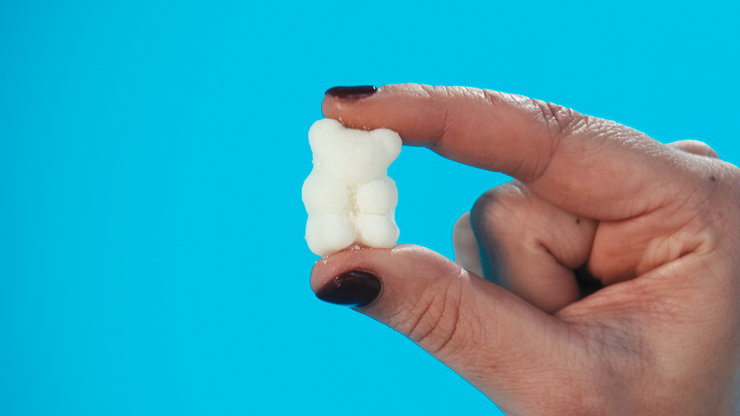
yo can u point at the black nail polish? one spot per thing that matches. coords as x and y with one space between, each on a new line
352 93
354 289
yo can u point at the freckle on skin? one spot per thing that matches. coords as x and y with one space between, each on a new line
712 178
578 220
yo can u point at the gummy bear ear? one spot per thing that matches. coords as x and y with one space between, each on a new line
322 131
329 126
389 141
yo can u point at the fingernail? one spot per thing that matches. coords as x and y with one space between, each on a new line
354 289
352 93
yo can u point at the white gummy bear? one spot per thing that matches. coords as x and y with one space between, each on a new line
348 196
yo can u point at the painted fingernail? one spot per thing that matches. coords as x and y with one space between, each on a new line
352 93
354 289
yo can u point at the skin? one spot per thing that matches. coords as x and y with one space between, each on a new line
656 224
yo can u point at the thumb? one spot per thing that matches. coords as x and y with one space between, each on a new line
476 328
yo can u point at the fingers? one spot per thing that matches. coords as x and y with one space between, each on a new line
530 246
623 250
591 167
466 322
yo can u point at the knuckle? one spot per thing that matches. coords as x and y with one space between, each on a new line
499 208
560 121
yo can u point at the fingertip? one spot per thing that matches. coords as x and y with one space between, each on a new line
395 106
355 289
339 101
351 93
327 268
402 260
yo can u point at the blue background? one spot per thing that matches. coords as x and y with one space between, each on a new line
152 259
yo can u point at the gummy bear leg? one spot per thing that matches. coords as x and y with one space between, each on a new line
328 234
376 230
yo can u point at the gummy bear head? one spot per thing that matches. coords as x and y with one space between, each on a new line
350 155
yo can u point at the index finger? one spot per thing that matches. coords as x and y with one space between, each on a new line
588 166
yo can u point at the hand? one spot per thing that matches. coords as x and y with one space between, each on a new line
657 225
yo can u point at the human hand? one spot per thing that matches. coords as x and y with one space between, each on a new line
657 225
